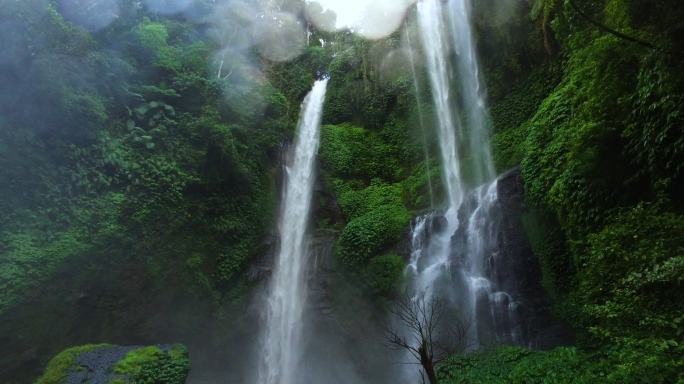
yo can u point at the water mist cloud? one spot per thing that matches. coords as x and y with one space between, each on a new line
370 19
168 7
279 36
92 15
14 47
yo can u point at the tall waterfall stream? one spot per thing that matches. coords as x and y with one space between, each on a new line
455 250
282 338
454 255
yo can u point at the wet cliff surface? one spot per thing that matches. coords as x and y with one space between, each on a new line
518 269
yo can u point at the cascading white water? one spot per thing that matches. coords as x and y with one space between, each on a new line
282 338
436 43
434 35
475 114
468 238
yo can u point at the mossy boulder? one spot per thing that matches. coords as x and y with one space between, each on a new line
110 364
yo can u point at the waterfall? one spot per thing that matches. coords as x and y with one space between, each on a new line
282 338
454 254
476 117
421 118
435 40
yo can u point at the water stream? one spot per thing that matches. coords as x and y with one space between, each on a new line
454 252
283 330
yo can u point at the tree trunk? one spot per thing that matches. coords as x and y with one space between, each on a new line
428 365
430 371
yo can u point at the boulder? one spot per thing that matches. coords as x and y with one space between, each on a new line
111 364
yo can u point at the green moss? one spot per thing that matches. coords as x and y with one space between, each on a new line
510 115
371 233
353 152
61 365
151 365
29 260
147 365
549 245
355 203
383 273
372 178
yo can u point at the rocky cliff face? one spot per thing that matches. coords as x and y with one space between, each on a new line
511 306
518 270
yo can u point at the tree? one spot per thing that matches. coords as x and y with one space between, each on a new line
421 331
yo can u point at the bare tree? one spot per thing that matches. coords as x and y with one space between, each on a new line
419 330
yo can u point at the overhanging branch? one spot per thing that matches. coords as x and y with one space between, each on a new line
607 29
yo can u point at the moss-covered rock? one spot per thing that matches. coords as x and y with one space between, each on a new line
63 364
109 364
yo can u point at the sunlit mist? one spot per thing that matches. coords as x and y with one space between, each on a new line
370 19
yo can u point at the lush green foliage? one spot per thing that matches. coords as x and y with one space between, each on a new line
631 275
151 365
146 152
374 209
122 157
356 153
512 365
384 273
124 145
371 158
371 233
601 160
643 362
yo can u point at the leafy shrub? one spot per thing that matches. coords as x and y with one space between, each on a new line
353 152
383 273
632 274
151 365
370 234
630 363
355 203
513 365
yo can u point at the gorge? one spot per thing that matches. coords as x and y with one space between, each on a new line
256 191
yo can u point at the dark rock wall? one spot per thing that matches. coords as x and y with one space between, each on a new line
518 270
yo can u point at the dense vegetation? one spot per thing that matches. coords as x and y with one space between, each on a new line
120 154
595 121
128 165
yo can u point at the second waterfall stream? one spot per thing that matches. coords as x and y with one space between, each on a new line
283 331
455 252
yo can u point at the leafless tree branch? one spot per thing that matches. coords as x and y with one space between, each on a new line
423 335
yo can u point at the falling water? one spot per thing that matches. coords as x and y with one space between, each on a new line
472 92
421 118
436 45
435 259
454 255
281 342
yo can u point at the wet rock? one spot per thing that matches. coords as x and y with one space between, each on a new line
519 271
